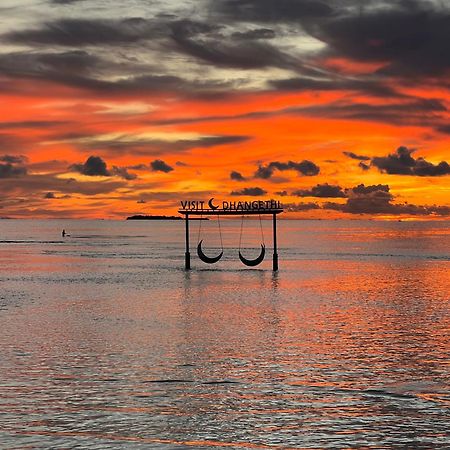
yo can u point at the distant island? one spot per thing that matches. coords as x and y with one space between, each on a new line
142 217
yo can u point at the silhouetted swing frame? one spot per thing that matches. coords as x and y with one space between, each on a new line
232 212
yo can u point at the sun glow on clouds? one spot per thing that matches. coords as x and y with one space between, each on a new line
169 99
143 136
126 109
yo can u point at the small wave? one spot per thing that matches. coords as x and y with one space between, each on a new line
175 380
370 391
384 393
373 255
378 392
29 242
106 236
169 381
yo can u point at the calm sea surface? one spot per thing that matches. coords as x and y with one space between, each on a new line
107 343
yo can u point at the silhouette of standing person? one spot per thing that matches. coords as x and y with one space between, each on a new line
63 233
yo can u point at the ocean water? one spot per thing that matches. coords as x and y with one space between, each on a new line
107 343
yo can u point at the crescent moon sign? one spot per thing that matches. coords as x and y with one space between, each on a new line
253 262
207 259
211 204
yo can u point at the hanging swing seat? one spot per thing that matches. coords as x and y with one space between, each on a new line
207 259
256 261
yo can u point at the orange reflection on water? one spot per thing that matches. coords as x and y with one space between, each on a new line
350 337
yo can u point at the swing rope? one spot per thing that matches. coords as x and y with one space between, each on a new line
200 230
260 227
220 232
262 232
258 260
240 235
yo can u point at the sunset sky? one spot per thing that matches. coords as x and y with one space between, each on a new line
335 107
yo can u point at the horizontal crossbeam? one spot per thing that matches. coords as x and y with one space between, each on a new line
228 212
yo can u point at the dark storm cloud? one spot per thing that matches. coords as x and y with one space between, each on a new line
93 166
136 146
96 166
209 141
236 176
13 166
373 200
257 33
219 51
409 37
419 112
185 28
443 129
159 165
250 191
14 159
413 37
377 199
373 87
9 170
305 167
200 40
403 163
84 32
201 88
218 44
71 68
321 190
60 65
355 156
273 10
83 70
361 189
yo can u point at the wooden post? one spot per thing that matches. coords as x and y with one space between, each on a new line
275 251
187 255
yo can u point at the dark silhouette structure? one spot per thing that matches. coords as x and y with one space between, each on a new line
216 211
